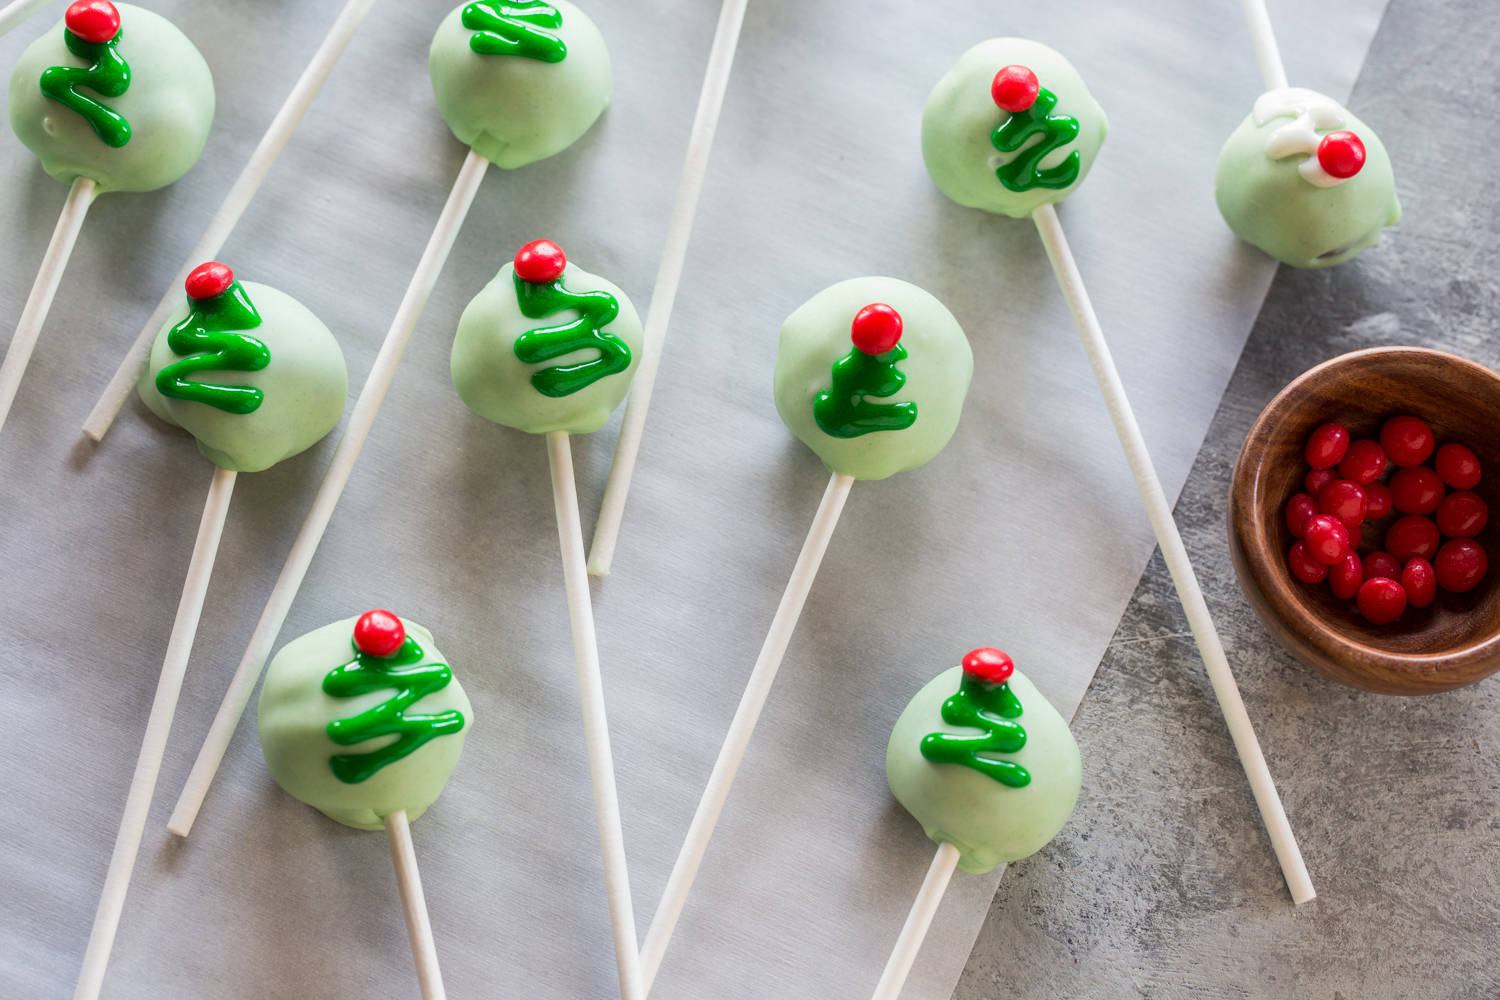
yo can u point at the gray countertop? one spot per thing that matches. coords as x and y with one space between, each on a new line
1163 885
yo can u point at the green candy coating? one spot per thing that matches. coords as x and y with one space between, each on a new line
169 105
293 717
497 385
513 110
990 823
305 386
937 367
1269 204
961 116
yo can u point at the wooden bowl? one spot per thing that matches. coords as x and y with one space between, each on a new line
1452 642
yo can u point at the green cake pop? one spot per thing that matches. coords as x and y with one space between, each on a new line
247 370
891 401
519 80
546 346
113 93
984 762
363 718
1011 127
1305 180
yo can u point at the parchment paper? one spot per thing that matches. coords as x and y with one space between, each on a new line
1025 533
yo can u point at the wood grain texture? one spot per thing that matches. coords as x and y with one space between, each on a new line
1450 643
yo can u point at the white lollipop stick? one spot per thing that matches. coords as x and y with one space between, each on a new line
743 726
235 203
595 727
1175 553
154 746
1264 39
668 274
344 456
14 13
39 302
917 922
414 907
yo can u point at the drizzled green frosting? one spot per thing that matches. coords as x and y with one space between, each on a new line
206 336
989 707
513 28
597 309
843 411
108 76
1024 172
411 680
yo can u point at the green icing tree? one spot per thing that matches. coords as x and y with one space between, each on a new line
513 28
366 673
989 707
108 76
597 309
206 337
1023 173
843 411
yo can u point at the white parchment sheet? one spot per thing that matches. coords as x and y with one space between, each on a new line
1026 533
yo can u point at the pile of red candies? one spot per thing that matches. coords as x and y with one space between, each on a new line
1344 490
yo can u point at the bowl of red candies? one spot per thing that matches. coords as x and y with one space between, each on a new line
1359 520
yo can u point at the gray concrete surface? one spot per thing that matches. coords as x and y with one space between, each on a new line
1164 885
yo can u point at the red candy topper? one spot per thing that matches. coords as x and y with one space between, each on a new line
208 280
876 329
93 20
541 262
379 633
988 665
1341 154
1014 89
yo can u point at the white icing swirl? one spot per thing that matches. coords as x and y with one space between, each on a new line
1311 112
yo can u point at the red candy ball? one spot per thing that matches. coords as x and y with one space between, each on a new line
1412 537
93 20
1298 509
1303 566
1327 446
1378 501
1341 154
1462 515
379 633
1326 538
541 262
1460 565
207 280
1345 501
1318 479
1406 440
876 329
1381 600
1363 462
1420 582
1416 489
1381 564
1015 88
1458 466
989 665
1346 577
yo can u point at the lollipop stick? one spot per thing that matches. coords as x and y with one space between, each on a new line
54 262
14 13
154 746
595 728
917 922
743 726
1264 39
344 456
668 274
414 907
235 203
1175 553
